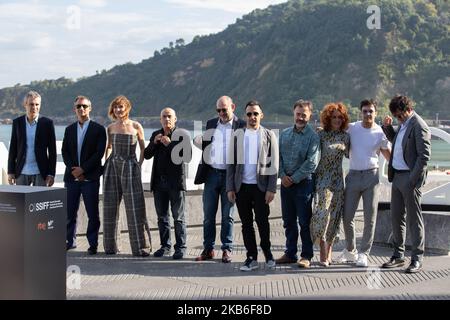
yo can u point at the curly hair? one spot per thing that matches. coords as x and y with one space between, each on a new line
119 101
401 103
327 113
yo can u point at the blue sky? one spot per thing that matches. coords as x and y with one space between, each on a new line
74 38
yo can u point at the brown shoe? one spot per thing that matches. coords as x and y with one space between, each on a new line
304 263
205 255
226 256
284 259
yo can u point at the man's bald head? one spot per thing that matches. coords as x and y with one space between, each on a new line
168 118
225 108
168 109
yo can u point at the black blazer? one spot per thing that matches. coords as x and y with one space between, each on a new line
92 151
44 146
176 171
203 167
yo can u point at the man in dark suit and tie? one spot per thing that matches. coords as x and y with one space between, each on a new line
83 147
32 150
407 171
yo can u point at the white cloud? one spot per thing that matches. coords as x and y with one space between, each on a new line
35 44
170 30
93 3
107 19
42 41
5 39
25 41
29 12
236 6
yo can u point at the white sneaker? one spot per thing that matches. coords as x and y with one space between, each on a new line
271 264
347 256
362 260
249 265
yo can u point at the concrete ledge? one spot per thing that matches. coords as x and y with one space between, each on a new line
194 212
437 228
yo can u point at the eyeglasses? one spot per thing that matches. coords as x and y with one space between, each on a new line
223 110
84 106
249 114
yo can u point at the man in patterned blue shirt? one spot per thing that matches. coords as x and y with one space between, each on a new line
299 156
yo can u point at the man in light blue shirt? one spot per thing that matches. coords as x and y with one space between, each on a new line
299 157
30 167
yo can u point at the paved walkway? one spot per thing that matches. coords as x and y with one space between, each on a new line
126 277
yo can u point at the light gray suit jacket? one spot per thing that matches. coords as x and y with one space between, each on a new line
268 161
416 146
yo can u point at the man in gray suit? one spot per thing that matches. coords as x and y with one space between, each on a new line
407 171
252 182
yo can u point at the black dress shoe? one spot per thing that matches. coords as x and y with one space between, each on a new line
414 267
142 253
394 263
92 250
70 247
161 252
179 254
112 252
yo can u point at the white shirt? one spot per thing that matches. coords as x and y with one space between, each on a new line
251 144
398 161
220 143
365 145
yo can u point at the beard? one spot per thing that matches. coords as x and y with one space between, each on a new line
301 123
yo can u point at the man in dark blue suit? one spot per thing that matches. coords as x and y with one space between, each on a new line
32 150
83 147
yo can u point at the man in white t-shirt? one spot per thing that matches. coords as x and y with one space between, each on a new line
367 140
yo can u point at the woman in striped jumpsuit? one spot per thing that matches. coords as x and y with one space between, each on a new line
122 178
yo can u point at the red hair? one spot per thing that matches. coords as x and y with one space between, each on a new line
327 113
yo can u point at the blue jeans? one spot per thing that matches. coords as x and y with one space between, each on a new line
89 190
296 207
163 195
215 187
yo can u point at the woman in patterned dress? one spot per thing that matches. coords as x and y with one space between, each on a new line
329 198
122 178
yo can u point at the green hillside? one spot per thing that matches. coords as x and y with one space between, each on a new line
318 50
